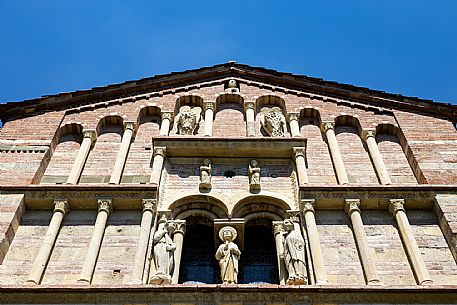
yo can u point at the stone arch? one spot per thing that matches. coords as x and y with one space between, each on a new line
269 100
192 100
200 204
261 206
229 119
397 155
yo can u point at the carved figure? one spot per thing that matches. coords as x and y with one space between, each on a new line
205 174
294 254
188 120
273 121
254 175
232 86
228 255
164 248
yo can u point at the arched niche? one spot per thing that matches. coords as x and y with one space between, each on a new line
191 100
267 205
269 101
204 205
229 118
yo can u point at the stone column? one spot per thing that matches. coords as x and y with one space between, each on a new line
105 207
299 156
178 238
209 117
396 207
157 165
314 243
293 124
250 118
89 138
278 231
129 130
167 118
352 209
328 128
368 135
149 208
61 208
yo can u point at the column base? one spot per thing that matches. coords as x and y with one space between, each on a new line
83 282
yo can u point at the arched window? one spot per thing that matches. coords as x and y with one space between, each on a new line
258 262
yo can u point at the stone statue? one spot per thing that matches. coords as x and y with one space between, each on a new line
188 120
232 86
164 248
228 255
273 121
205 174
254 175
294 254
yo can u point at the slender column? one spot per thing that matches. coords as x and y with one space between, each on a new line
396 207
328 128
178 238
167 118
61 208
299 156
157 165
250 118
89 138
149 208
352 209
104 209
368 135
314 243
129 130
293 123
278 231
209 117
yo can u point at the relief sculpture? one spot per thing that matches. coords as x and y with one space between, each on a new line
294 254
205 174
164 248
188 120
228 255
273 121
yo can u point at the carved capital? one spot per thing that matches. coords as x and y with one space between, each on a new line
294 215
308 205
299 152
209 105
91 134
278 227
368 132
293 116
180 226
160 150
169 115
326 125
131 125
62 206
163 215
249 105
105 204
149 205
351 205
396 205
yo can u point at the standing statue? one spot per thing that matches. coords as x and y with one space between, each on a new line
294 254
164 248
273 121
205 174
228 255
254 175
232 86
188 120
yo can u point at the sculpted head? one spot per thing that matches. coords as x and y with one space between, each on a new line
227 233
206 162
288 225
232 84
170 226
254 163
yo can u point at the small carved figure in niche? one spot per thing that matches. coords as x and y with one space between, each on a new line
188 120
228 255
164 248
254 175
273 121
232 86
294 254
205 174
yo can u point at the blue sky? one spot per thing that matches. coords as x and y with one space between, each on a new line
406 47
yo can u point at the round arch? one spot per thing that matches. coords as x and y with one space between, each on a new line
348 120
271 207
270 99
198 205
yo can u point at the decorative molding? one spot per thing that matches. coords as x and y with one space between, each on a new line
24 149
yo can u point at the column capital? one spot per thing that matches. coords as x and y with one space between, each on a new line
209 105
293 116
368 132
278 227
180 226
308 205
105 204
299 152
326 125
169 115
91 134
396 205
160 150
351 205
294 215
149 205
131 125
62 206
249 105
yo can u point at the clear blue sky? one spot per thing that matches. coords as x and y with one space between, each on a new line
406 47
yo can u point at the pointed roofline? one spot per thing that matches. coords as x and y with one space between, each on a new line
378 98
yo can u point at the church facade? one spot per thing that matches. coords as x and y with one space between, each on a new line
232 185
